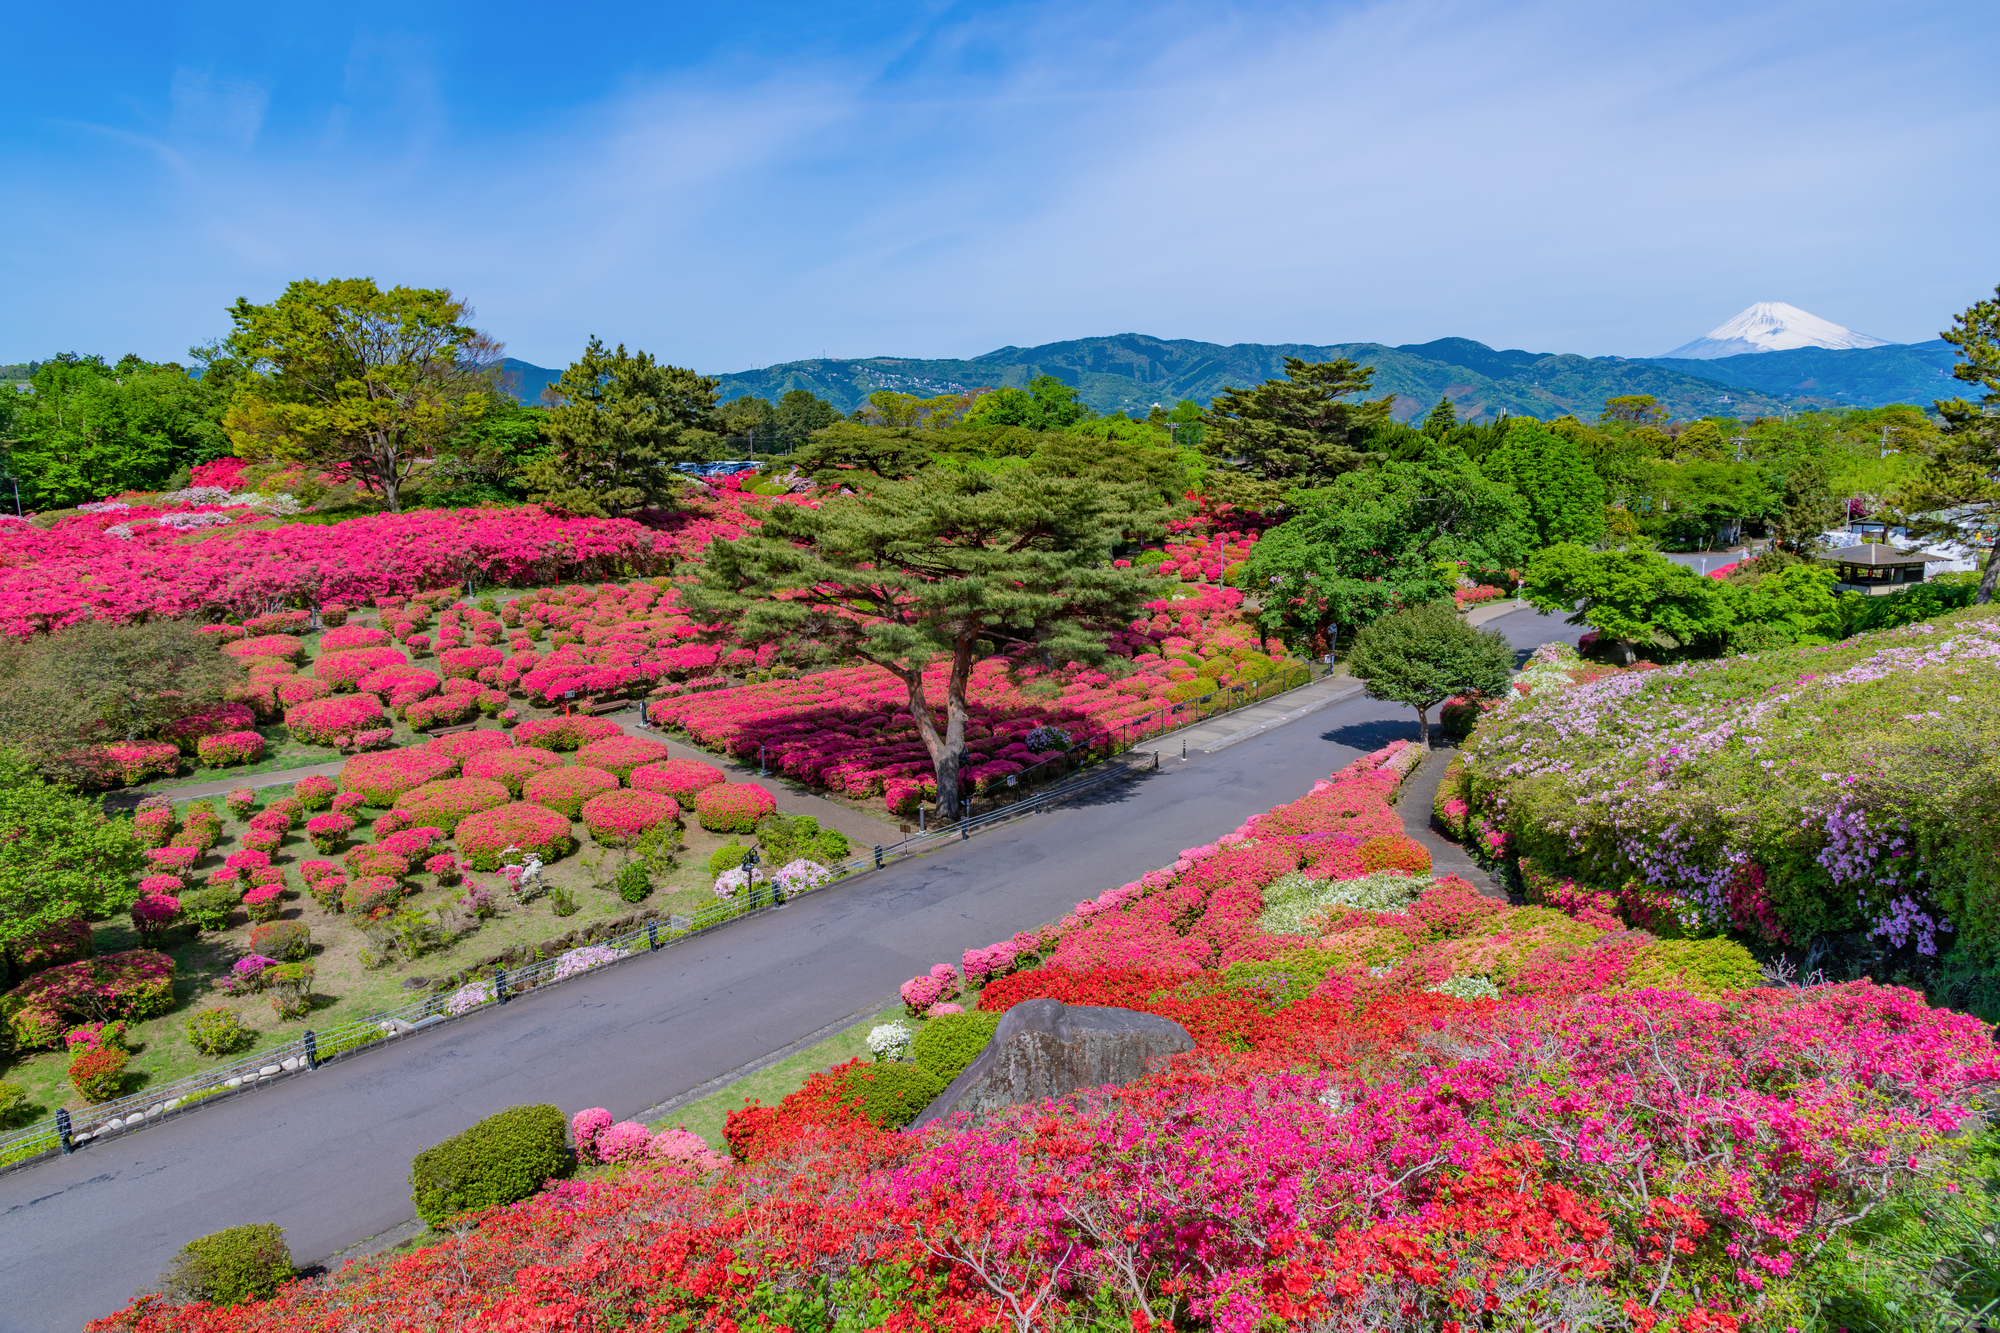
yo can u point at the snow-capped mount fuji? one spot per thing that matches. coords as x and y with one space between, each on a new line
1773 326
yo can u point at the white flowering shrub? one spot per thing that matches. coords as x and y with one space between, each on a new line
1467 988
1290 900
889 1041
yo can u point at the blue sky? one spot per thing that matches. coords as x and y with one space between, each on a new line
733 185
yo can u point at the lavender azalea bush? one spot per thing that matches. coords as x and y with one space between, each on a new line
1845 791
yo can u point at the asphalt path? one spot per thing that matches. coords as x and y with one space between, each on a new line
326 1155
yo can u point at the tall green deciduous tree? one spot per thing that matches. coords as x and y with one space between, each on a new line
619 423
911 574
1633 598
60 855
1045 404
1805 506
1565 499
800 413
1372 542
1427 654
1958 487
345 373
87 430
1300 430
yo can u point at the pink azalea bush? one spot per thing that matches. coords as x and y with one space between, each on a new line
679 778
314 793
920 994
231 747
618 818
620 755
345 670
510 768
444 803
733 807
566 789
485 837
565 733
380 778
334 721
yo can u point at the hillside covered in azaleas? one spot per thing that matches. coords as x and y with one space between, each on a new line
1617 1132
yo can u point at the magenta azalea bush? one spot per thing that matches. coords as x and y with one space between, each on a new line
444 803
618 818
465 744
231 747
484 838
566 789
345 670
733 807
679 778
620 755
334 721
510 768
565 733
380 778
284 647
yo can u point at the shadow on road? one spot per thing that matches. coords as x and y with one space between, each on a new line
1371 735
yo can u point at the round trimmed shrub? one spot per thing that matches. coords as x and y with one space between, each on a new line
618 818
371 896
232 1266
466 663
284 647
502 1159
231 747
99 1072
314 793
891 1095
295 690
380 778
484 837
678 778
444 804
286 941
950 1042
565 733
218 1032
566 789
622 754
510 768
330 721
444 711
733 807
463 745
344 671
351 636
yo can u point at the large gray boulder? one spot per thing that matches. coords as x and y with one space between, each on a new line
1045 1048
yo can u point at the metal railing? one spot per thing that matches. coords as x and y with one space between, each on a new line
64 1132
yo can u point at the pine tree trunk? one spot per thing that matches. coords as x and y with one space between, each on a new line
1989 578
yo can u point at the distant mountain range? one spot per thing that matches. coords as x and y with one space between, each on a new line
1131 372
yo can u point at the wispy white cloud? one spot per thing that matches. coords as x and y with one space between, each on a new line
1549 173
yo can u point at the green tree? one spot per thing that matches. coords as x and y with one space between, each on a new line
1373 542
1794 604
911 575
60 855
1702 440
847 452
750 423
1805 506
800 413
1564 496
97 682
1957 489
1631 598
489 459
619 423
1045 404
1635 409
87 430
343 372
1301 429
1441 420
1427 654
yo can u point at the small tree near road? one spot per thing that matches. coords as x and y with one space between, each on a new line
910 574
1427 654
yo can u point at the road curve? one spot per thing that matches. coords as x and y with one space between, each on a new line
325 1155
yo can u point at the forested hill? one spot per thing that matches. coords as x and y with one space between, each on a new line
1132 371
1825 377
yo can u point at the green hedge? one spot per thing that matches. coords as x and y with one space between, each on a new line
892 1095
950 1042
502 1159
227 1267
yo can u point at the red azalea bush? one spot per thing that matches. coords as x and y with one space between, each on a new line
485 837
329 831
622 754
344 670
618 818
371 897
445 711
153 913
679 778
380 778
510 768
373 859
445 803
468 662
133 985
231 747
98 1072
733 807
128 763
566 789
187 730
295 690
279 622
565 733
173 860
314 793
152 827
334 721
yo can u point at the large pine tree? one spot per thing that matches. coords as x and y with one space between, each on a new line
913 573
1302 430
619 423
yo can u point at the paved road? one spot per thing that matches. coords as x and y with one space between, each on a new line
325 1155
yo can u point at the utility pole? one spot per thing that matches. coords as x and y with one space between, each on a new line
1885 442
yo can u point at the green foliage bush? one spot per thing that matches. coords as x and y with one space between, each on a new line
950 1042
502 1159
633 882
1703 967
231 1266
208 908
1934 597
13 1104
727 857
218 1032
892 1095
286 941
788 838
